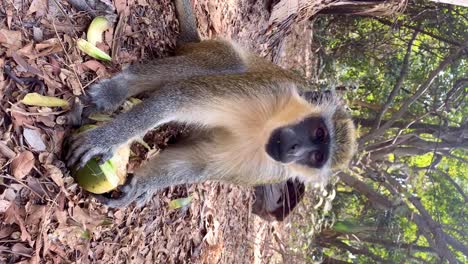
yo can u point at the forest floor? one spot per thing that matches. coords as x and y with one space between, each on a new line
44 216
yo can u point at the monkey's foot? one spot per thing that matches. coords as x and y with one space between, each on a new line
130 192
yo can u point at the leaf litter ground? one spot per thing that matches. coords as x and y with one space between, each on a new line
45 216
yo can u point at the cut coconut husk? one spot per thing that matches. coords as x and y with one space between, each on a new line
92 50
96 28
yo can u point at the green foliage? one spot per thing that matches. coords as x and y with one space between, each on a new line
369 53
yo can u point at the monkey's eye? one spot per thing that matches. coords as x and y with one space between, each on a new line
317 157
320 133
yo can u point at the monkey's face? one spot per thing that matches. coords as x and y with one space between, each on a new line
306 143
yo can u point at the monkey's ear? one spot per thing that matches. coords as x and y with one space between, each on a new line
317 97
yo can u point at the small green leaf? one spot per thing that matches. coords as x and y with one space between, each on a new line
41 100
134 100
100 117
85 128
106 221
179 203
343 227
86 234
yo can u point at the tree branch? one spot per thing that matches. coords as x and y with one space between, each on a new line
377 200
330 260
436 242
443 39
399 82
440 237
365 122
458 187
358 251
391 244
419 92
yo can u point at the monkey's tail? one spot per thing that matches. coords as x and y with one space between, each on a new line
188 24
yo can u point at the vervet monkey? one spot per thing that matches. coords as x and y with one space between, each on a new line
255 123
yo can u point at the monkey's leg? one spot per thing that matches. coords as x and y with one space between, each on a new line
183 163
195 59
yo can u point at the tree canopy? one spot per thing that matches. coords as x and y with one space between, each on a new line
406 77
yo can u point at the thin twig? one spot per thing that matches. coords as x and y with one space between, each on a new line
15 253
68 57
399 82
419 92
36 114
22 183
60 7
91 82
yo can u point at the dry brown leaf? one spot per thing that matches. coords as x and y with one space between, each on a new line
25 50
45 48
33 138
35 213
58 137
54 64
6 151
142 2
108 37
6 231
53 42
36 186
59 251
11 39
52 84
22 164
20 120
55 174
84 217
4 204
46 120
38 6
20 248
26 66
121 6
15 215
96 67
68 235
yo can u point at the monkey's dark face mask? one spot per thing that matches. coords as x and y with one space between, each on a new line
306 143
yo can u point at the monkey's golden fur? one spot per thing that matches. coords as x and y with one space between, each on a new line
238 149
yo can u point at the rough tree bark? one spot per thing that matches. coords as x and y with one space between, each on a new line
286 12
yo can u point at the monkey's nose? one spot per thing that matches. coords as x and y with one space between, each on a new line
293 149
296 149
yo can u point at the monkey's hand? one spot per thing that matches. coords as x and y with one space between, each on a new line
131 191
95 142
105 96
